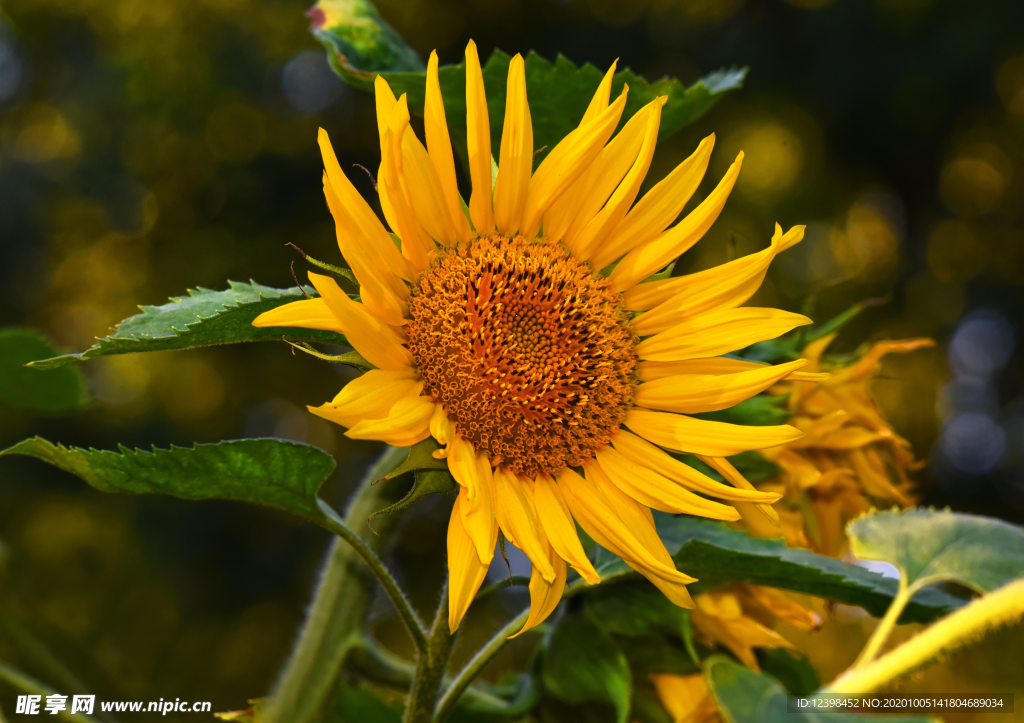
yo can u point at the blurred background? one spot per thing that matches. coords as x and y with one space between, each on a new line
150 146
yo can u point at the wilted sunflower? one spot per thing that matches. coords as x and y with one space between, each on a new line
510 330
850 459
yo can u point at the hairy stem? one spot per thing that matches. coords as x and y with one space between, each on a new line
881 634
336 616
430 667
957 629
474 667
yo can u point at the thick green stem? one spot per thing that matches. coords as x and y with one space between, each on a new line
26 684
970 622
881 634
474 667
337 614
430 667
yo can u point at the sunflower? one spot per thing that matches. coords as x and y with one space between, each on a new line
849 460
524 333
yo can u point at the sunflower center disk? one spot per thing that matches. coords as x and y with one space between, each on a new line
529 355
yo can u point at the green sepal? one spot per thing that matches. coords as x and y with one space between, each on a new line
431 475
359 43
203 318
657 653
744 696
39 391
929 546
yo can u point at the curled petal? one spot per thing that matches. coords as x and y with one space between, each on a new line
465 569
407 423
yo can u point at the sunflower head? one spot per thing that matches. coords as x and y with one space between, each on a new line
527 333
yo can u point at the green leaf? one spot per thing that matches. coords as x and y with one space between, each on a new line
271 472
582 663
647 708
54 391
718 555
790 668
558 94
762 410
744 696
930 546
203 318
656 654
359 43
632 610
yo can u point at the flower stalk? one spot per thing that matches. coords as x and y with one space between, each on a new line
970 622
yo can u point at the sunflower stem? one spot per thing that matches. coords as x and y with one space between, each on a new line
981 616
474 667
337 614
431 664
881 633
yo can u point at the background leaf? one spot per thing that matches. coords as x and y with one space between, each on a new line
717 555
744 696
271 472
558 93
930 546
53 391
762 410
203 318
582 663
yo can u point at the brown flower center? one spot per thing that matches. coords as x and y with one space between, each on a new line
529 355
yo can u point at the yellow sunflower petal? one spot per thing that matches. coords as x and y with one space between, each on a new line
596 232
566 163
642 452
513 507
426 195
465 570
601 96
724 467
377 343
656 254
693 393
617 523
439 146
554 516
478 138
658 208
305 314
718 333
648 371
392 187
720 287
599 181
686 697
371 231
700 436
385 101
653 490
473 472
407 423
544 594
370 396
513 182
